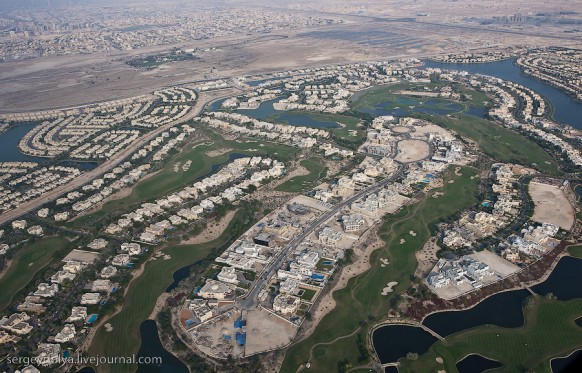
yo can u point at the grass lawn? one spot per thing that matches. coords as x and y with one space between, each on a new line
369 98
362 298
379 94
549 331
141 297
308 294
475 98
343 134
317 170
167 181
26 262
576 251
498 142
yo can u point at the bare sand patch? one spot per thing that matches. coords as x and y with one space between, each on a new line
426 257
218 152
551 205
266 331
389 287
411 150
361 265
503 267
213 230
401 129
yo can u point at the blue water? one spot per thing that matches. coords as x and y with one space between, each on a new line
477 364
564 281
9 140
151 346
570 364
266 109
566 109
180 275
503 309
579 193
402 106
255 83
477 112
393 342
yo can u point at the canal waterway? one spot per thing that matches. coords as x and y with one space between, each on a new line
180 275
152 347
477 364
564 281
393 342
9 140
503 309
579 193
569 364
266 110
566 109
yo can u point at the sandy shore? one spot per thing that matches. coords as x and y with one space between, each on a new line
160 303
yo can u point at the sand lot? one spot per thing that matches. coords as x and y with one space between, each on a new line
411 150
551 205
501 266
401 129
266 331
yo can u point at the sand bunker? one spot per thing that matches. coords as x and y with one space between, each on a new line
402 241
389 287
108 327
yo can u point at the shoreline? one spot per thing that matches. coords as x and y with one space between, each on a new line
420 323
526 285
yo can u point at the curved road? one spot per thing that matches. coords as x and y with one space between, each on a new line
202 101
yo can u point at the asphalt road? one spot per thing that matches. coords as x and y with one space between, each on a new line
106 166
251 300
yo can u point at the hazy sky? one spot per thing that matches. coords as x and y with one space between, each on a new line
39 4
